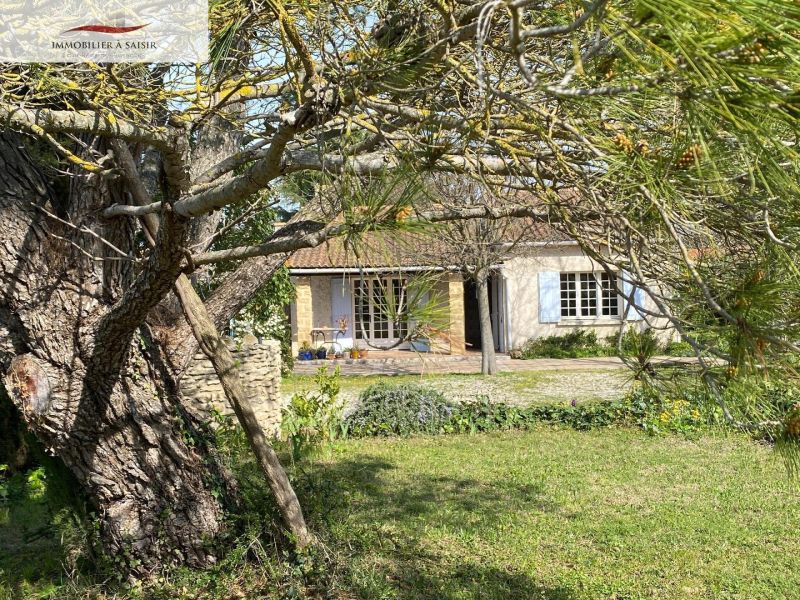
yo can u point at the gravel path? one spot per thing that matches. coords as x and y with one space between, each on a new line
518 388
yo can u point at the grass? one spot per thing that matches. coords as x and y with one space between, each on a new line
515 387
547 514
295 383
560 514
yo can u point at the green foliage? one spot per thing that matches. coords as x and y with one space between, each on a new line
581 343
678 349
313 417
264 316
44 526
405 409
642 346
484 416
686 409
578 343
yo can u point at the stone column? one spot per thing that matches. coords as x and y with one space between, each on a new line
303 313
455 295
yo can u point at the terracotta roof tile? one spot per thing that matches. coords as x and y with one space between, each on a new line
393 249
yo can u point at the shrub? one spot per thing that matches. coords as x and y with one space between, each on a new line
313 417
578 343
677 348
406 409
483 416
386 409
682 408
643 346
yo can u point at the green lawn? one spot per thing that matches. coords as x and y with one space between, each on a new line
561 514
549 514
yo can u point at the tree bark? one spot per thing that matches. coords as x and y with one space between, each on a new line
225 366
488 357
88 380
205 333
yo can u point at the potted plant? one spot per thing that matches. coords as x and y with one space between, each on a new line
363 352
354 352
322 353
306 353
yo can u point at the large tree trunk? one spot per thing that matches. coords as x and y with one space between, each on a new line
89 381
205 333
488 357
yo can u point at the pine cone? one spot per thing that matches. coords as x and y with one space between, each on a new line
688 158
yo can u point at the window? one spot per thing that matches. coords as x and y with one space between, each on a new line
589 295
609 296
379 308
569 299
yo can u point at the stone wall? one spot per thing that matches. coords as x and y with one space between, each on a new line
260 367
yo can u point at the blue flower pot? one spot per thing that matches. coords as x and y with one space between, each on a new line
421 345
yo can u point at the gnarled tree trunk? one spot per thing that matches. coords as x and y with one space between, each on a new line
88 377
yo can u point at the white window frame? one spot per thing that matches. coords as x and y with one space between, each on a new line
393 332
579 303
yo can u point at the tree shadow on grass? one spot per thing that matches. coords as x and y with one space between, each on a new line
382 524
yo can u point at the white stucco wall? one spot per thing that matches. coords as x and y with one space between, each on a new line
521 276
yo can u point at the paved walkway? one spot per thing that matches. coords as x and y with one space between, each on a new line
469 363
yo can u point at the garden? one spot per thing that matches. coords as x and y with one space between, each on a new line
414 495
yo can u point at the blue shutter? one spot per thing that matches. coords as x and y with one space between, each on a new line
638 299
549 297
342 304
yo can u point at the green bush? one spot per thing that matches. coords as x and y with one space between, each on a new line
483 415
386 409
684 407
578 343
581 343
677 348
313 417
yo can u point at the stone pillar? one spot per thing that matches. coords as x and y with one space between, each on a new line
455 296
303 313
260 368
450 288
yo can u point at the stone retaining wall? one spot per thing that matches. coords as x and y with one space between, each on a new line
260 367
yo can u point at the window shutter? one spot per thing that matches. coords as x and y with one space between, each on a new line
342 304
638 299
549 297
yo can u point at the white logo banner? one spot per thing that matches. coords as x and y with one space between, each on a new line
174 31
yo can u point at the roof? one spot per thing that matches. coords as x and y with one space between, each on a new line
393 249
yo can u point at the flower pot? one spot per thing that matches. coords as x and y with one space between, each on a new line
322 353
306 355
354 354
363 353
421 345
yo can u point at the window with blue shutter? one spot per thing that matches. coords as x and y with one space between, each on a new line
549 297
632 314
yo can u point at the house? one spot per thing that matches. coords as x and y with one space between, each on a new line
549 287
